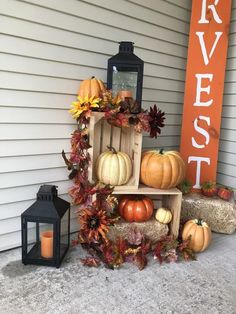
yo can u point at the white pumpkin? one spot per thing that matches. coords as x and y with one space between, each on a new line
114 168
163 215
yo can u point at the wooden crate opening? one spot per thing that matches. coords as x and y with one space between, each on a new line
102 134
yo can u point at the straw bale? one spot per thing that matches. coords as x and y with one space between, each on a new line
219 214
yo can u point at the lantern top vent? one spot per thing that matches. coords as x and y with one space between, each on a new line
47 193
126 47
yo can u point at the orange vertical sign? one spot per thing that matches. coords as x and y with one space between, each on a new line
208 43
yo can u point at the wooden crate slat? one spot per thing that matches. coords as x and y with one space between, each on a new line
174 203
106 136
116 137
125 141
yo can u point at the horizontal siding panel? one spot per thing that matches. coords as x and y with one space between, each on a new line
143 14
168 108
185 4
226 180
231 63
25 193
38 83
227 158
226 169
168 130
228 123
35 99
35 115
33 147
164 70
228 135
158 147
33 177
56 69
229 100
155 95
163 84
35 31
229 111
161 141
24 163
117 21
164 7
34 131
227 146
37 48
230 88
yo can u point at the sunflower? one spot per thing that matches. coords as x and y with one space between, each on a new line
94 224
83 104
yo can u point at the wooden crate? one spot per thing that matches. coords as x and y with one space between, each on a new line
102 134
171 199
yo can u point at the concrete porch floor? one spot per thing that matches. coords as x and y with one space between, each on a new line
205 286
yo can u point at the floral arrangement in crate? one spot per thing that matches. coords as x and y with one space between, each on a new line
96 205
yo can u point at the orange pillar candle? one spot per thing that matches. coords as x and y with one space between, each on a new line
125 94
47 244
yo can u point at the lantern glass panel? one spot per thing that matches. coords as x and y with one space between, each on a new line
40 243
64 237
124 80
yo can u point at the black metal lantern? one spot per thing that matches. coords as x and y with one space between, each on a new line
125 74
45 229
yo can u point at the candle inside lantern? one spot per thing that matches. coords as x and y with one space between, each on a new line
125 94
47 244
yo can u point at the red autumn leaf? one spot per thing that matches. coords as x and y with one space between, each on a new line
121 245
140 260
146 246
108 253
157 252
90 261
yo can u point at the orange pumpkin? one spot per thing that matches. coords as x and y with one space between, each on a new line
200 234
91 88
162 170
134 209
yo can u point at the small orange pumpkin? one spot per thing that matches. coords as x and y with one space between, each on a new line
162 170
136 209
200 234
91 88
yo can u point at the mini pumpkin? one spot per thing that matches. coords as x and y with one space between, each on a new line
163 215
200 234
162 170
136 209
114 168
91 88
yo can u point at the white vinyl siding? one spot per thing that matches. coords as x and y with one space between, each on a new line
47 48
227 153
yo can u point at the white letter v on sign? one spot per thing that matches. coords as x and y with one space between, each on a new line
203 46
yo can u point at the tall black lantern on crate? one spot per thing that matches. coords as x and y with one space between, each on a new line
125 75
45 229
